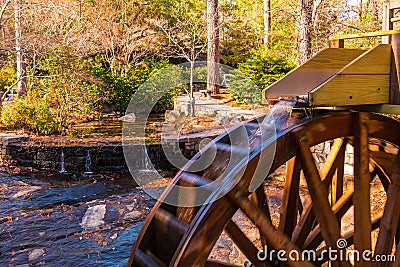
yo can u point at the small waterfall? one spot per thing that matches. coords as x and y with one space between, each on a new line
62 170
147 165
277 120
88 164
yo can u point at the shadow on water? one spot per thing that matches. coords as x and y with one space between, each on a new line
74 223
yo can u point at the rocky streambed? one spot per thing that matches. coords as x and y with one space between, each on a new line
88 222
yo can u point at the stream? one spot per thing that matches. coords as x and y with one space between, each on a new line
48 222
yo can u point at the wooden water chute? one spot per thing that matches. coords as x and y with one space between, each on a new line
343 78
317 200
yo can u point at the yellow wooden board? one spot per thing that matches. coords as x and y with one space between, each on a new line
374 61
365 80
363 35
394 4
312 73
346 90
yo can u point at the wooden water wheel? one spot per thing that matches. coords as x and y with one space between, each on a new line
311 209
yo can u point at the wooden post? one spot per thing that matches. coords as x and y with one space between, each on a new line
336 43
362 178
388 13
394 89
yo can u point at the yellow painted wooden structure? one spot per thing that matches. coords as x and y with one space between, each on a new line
363 81
339 77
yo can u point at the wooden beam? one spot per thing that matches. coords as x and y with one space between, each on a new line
290 199
363 35
394 91
378 108
336 43
362 178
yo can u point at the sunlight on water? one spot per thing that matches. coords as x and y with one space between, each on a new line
276 121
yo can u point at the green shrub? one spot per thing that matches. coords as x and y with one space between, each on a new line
124 81
66 83
31 114
8 75
260 70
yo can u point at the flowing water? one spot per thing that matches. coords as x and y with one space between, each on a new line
62 170
277 120
88 164
89 223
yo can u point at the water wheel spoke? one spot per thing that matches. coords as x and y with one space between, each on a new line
382 175
259 198
244 244
307 218
300 206
304 226
318 192
322 210
348 237
383 164
390 219
362 178
384 160
339 146
275 238
339 209
335 157
291 199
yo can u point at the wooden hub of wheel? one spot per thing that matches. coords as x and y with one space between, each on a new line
317 207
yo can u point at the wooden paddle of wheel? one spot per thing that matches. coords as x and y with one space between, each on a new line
185 236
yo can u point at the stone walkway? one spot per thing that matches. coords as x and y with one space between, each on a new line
213 107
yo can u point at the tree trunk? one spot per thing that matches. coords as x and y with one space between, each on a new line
213 47
315 16
304 50
21 66
267 22
192 112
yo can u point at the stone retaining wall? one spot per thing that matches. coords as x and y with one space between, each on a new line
111 158
96 159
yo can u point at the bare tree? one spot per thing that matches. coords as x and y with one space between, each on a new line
2 10
20 57
267 22
316 14
304 50
187 40
213 47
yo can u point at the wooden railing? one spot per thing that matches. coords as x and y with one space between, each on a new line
338 40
